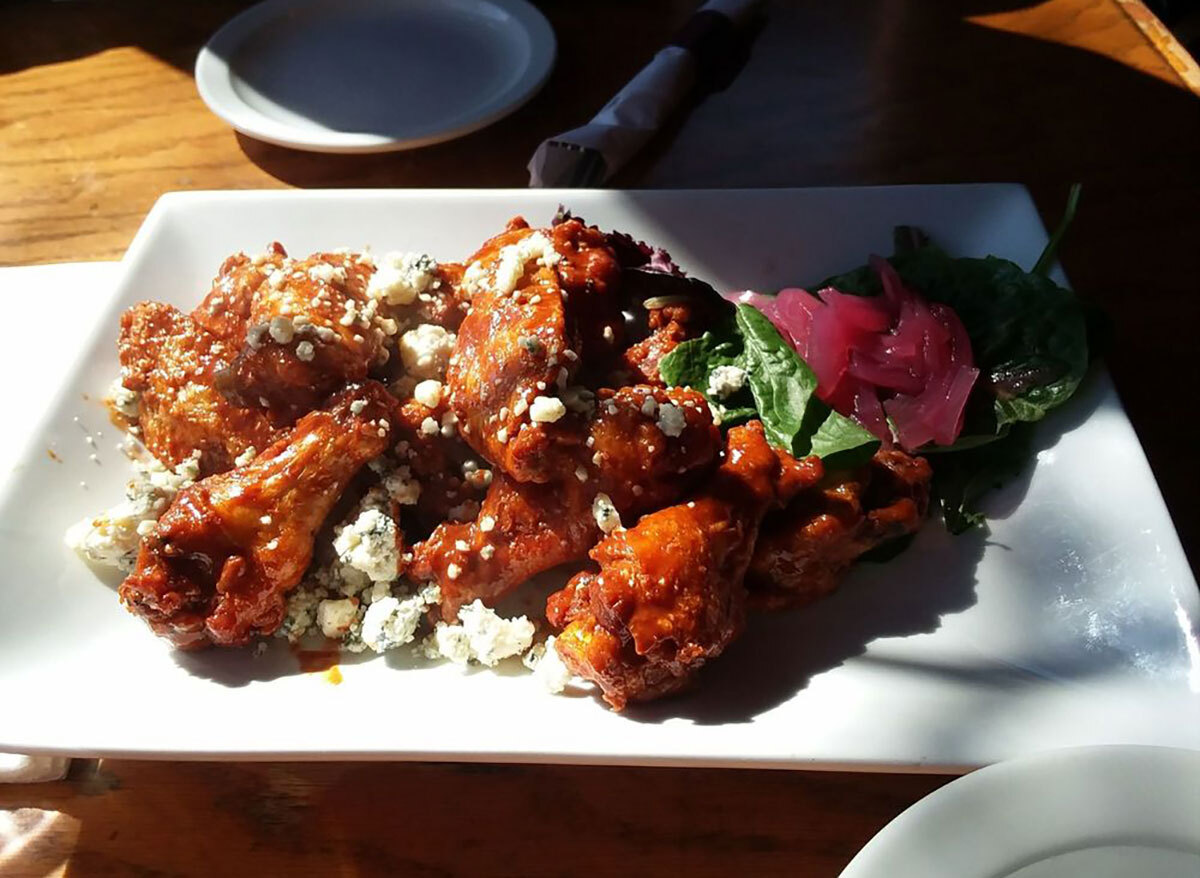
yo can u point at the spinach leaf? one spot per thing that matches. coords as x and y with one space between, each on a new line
842 442
692 362
781 382
781 392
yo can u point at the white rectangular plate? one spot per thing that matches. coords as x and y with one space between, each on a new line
1073 622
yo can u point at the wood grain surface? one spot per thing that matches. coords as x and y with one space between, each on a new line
99 116
137 818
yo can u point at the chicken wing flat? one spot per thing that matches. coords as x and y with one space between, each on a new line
173 364
669 593
805 550
644 447
217 565
443 303
541 302
225 311
311 329
522 529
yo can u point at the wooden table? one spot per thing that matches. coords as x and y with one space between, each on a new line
99 116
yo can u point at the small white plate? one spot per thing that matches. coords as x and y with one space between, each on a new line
1103 812
373 75
1073 623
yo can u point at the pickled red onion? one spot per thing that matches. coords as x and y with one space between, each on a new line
891 357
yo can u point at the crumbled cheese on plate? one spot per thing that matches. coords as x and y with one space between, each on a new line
111 538
480 636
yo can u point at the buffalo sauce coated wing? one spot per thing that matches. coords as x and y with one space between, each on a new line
218 564
311 328
641 447
542 303
670 321
173 363
669 593
806 549
522 529
225 311
430 447
443 303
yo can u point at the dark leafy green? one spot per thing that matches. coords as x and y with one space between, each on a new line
1030 339
691 363
781 392
842 442
960 481
1042 266
1028 334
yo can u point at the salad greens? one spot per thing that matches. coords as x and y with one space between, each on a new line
1029 337
781 389
1028 334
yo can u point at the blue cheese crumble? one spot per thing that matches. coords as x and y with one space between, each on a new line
547 666
390 622
671 419
605 513
401 277
334 617
510 267
369 540
724 381
426 350
124 401
111 538
480 636
546 409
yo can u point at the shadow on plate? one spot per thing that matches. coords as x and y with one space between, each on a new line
239 667
779 654
1095 393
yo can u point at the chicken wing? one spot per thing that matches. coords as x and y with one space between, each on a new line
217 565
676 309
311 328
644 447
225 311
452 484
520 347
805 550
669 594
173 364
443 303
522 529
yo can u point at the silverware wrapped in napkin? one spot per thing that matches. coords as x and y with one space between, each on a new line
591 154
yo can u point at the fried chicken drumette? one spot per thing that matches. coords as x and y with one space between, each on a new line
669 592
218 564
